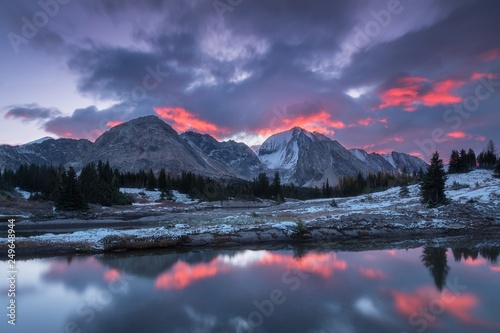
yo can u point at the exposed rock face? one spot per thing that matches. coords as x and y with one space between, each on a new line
400 161
49 152
374 161
301 157
149 143
309 159
236 156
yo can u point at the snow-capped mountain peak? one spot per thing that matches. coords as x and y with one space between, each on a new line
38 141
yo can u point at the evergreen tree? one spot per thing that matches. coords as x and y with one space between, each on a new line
70 196
472 159
163 184
463 162
434 258
404 191
433 183
496 173
151 181
454 164
276 185
487 158
261 185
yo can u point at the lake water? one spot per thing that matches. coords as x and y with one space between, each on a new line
284 290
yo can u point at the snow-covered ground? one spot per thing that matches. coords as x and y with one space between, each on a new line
151 197
481 188
372 214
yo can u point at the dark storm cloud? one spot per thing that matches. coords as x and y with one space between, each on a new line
88 123
31 112
261 63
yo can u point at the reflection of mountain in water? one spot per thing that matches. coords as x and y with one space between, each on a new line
151 265
434 258
489 253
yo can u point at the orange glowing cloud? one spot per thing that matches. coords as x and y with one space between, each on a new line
114 123
457 135
459 306
182 120
371 121
112 275
481 138
182 274
372 274
320 122
411 92
490 55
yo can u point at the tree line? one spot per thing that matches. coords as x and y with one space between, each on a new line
432 186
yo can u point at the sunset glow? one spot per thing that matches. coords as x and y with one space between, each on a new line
182 274
411 92
182 120
461 306
320 122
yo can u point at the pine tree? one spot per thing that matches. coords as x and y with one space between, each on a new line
261 185
70 196
454 164
463 162
151 181
496 173
404 192
487 158
276 185
433 183
472 159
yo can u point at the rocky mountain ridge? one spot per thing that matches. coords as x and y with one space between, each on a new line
301 157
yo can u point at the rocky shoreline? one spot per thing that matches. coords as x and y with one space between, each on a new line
190 231
375 218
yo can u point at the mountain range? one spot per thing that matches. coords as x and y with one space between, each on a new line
301 157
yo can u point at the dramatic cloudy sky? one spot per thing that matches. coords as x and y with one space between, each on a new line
406 75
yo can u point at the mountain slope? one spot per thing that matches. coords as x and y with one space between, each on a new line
237 157
309 159
47 151
148 142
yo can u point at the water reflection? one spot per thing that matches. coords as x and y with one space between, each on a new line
289 290
434 258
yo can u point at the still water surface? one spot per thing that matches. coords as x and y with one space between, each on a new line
418 290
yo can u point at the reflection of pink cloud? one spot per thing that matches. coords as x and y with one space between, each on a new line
182 274
474 262
372 274
459 306
495 268
112 275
